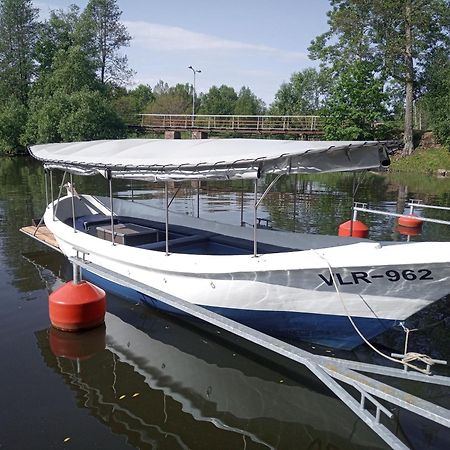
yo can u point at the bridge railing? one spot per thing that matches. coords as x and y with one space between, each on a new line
231 122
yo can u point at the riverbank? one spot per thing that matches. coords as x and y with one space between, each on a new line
429 161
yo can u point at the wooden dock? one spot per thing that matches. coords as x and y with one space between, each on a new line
43 235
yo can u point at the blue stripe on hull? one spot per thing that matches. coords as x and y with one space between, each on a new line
323 329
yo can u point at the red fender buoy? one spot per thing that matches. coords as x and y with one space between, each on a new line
75 307
77 346
355 227
410 221
408 231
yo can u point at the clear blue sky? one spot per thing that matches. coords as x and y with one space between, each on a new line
254 43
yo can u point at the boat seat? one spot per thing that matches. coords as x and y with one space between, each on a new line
178 242
84 223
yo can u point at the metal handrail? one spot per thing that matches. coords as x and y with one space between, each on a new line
363 208
305 123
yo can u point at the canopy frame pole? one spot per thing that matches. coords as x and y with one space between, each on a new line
268 189
255 219
166 204
55 210
174 195
255 209
73 203
242 203
198 198
111 204
41 220
46 187
51 191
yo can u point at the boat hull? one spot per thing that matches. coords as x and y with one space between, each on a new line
323 329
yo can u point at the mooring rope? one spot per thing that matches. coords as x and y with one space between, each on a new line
408 357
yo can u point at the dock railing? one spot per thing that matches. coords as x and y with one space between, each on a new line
412 204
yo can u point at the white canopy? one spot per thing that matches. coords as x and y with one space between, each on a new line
180 159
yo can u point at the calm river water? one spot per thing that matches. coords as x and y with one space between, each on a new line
148 380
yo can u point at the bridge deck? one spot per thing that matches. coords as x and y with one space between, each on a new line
301 125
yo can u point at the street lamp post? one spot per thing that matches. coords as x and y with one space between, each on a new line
194 71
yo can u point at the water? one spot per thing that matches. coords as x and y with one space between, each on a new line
148 380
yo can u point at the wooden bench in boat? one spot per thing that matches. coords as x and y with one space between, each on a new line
129 234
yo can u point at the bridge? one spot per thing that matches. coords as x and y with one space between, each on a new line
304 126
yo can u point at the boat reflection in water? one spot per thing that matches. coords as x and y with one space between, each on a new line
167 385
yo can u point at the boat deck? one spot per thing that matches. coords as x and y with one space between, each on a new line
41 234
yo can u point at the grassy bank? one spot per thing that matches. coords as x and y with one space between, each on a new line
425 161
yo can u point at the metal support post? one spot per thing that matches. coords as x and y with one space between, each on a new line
55 210
73 204
255 220
198 198
51 191
111 203
76 270
166 204
46 187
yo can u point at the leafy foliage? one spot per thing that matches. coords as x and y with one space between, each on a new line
437 96
18 33
171 100
13 116
60 32
102 19
219 100
302 95
356 103
395 35
248 103
68 103
129 103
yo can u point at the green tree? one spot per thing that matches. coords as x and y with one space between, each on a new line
171 100
302 95
102 19
219 100
437 94
18 32
248 103
60 32
13 117
68 103
133 102
356 103
397 35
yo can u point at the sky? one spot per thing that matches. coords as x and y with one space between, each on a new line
254 43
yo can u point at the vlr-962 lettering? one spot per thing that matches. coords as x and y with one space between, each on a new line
391 275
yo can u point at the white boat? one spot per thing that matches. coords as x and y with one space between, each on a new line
286 284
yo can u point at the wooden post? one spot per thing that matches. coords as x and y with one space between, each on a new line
199 135
172 135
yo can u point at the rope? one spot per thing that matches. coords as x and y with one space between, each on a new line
408 356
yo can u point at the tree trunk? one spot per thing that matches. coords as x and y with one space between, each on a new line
409 83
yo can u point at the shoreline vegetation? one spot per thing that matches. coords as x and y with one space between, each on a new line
66 78
428 161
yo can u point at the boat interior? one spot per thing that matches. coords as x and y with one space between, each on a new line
143 226
150 235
